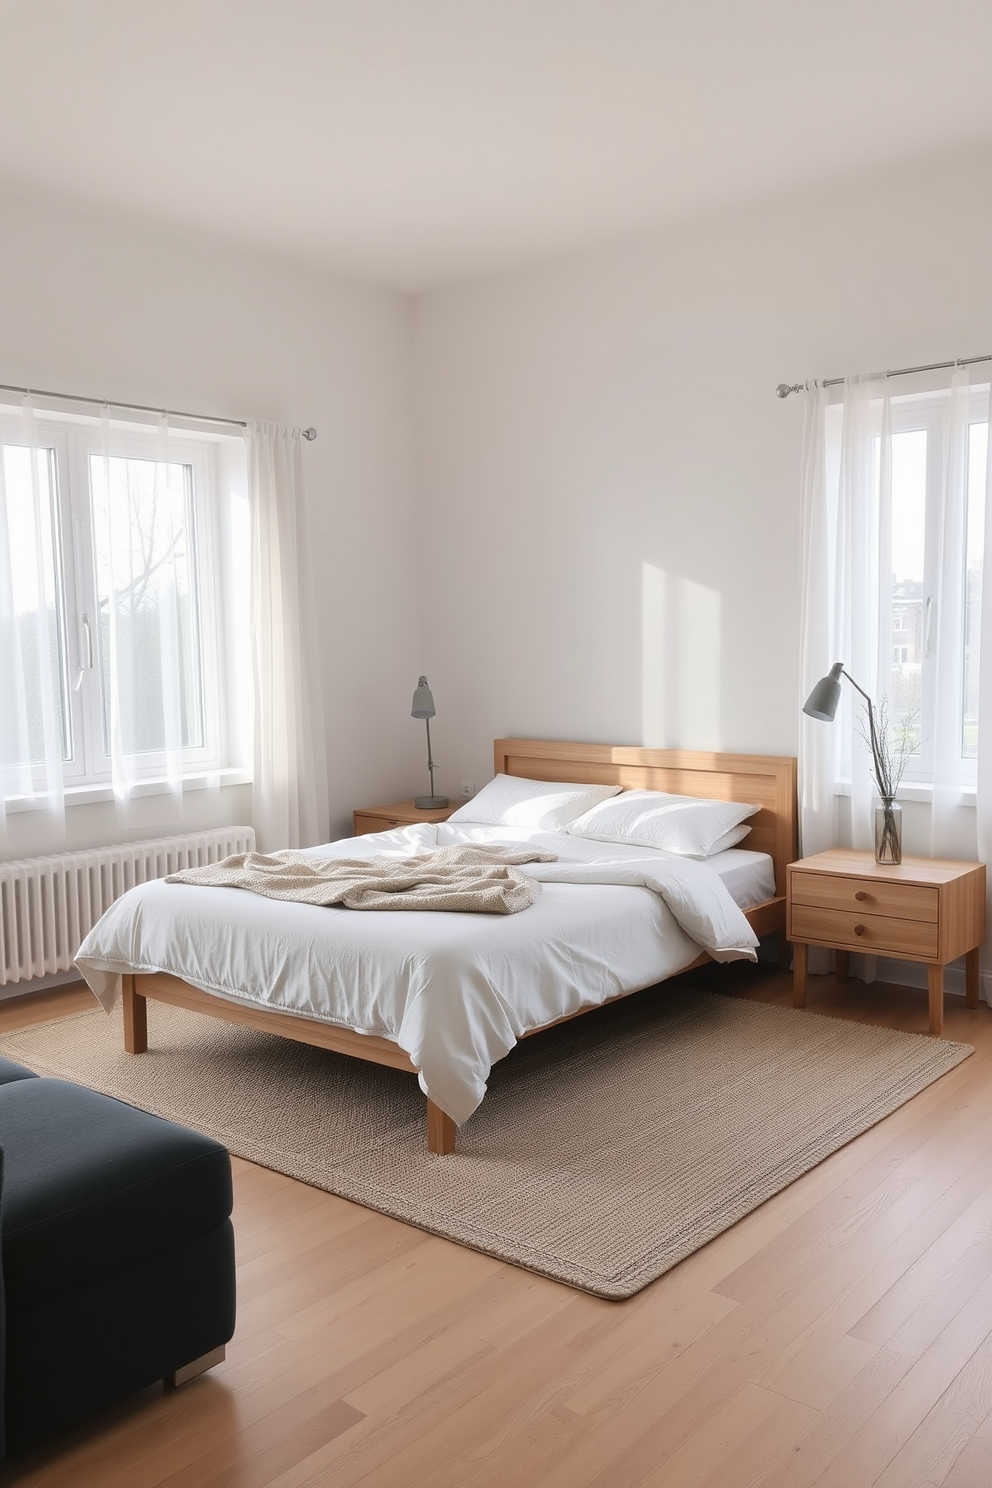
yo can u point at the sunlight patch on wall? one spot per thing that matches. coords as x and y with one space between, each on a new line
680 662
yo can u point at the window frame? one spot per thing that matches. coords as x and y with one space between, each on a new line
87 772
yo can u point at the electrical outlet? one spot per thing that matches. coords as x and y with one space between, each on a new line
468 791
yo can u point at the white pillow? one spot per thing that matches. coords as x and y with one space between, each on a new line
729 839
510 801
678 824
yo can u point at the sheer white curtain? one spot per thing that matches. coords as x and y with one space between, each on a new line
143 588
290 799
32 710
954 826
840 602
853 533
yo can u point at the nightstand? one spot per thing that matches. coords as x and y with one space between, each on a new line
929 910
400 814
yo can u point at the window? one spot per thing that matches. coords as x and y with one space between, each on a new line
921 454
928 454
128 597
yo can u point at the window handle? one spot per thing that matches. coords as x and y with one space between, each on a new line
88 633
928 626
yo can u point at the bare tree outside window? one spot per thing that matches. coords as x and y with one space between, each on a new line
148 607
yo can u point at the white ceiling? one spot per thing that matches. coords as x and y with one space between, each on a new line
413 142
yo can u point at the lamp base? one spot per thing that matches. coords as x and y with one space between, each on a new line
429 803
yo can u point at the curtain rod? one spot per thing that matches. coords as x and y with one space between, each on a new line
206 418
785 388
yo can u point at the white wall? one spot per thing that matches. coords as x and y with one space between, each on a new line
107 306
608 485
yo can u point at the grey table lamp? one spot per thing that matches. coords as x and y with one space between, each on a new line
423 707
822 704
823 701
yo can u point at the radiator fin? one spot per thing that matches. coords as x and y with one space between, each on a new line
48 905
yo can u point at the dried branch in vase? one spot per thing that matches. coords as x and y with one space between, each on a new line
891 748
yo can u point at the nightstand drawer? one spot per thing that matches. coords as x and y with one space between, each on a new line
364 823
866 896
863 932
396 814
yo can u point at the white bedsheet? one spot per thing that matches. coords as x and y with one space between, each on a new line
455 991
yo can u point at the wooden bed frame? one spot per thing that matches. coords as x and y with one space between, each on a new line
767 781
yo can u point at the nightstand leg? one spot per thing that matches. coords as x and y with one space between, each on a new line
800 953
935 985
840 966
784 952
971 978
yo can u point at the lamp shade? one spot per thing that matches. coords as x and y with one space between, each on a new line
823 700
423 701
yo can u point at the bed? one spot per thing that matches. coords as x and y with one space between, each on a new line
612 924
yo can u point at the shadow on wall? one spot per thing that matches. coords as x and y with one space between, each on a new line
681 662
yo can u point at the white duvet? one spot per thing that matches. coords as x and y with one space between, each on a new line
455 991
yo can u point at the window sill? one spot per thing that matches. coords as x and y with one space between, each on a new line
917 790
90 795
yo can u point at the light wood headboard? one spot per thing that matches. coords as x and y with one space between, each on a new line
765 780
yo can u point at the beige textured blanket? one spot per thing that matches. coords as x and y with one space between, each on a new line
475 880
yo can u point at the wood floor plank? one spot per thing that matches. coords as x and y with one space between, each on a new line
892 1424
425 1436
267 1448
878 1187
749 1431
917 1306
939 1440
817 1375
639 1349
537 1446
519 1390
970 1468
816 1448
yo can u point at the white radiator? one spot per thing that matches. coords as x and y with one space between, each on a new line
48 905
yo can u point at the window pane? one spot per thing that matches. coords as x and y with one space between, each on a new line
148 603
978 445
34 576
909 487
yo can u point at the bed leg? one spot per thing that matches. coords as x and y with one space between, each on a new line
135 1017
441 1130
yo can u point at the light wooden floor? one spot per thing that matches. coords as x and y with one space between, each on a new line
840 1335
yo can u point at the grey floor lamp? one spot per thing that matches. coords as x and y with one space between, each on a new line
423 707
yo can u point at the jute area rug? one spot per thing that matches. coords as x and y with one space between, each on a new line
607 1149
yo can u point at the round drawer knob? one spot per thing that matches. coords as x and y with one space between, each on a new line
859 929
861 894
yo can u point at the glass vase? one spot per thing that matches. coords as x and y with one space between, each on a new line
888 831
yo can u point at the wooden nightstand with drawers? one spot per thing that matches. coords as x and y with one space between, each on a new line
929 910
399 814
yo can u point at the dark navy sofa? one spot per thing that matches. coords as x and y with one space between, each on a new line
117 1254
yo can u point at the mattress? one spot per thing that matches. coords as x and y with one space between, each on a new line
748 876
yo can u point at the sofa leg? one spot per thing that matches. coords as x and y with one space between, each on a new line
196 1366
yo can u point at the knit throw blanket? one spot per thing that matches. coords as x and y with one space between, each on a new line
475 880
